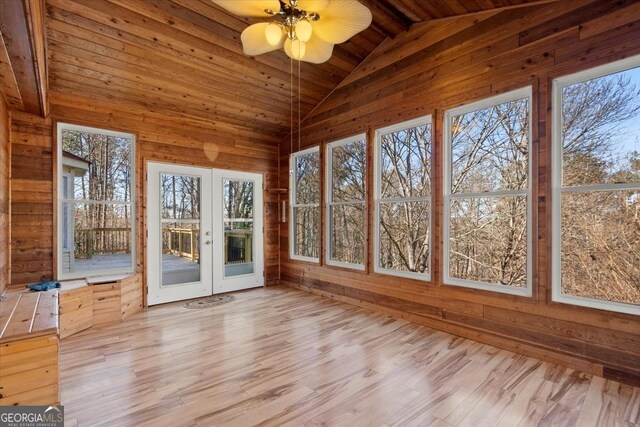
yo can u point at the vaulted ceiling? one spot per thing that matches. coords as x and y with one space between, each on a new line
184 58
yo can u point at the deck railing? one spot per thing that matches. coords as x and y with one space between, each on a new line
183 242
101 241
238 245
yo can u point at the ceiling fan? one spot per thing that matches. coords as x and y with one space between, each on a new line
306 29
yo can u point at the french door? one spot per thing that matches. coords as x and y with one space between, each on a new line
204 232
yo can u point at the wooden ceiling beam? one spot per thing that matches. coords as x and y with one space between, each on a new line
386 18
530 3
8 82
411 10
35 17
16 35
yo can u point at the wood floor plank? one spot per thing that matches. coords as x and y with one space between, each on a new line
281 357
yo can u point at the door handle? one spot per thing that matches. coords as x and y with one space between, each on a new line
207 242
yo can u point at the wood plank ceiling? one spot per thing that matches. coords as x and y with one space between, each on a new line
183 58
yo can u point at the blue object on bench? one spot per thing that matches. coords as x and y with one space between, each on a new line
43 286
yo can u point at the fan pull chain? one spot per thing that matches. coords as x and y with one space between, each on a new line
291 109
299 109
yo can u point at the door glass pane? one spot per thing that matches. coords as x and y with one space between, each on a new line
180 227
238 227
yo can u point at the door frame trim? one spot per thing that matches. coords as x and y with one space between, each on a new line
145 229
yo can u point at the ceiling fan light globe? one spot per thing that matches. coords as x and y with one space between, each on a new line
273 34
298 48
254 40
303 30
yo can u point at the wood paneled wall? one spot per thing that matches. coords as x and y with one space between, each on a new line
426 71
159 138
5 211
31 199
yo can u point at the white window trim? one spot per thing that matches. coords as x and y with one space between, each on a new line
131 204
69 222
558 188
377 165
525 92
329 203
293 204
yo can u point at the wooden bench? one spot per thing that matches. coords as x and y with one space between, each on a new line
29 348
75 306
98 301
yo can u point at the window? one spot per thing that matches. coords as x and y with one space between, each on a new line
304 241
96 187
596 191
487 193
403 199
346 220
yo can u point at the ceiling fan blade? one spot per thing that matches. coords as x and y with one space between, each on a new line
341 20
312 5
254 40
254 8
316 51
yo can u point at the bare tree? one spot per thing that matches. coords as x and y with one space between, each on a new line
600 238
488 234
347 219
405 173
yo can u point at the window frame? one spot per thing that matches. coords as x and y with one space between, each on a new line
293 205
60 126
524 92
66 189
558 189
377 198
329 203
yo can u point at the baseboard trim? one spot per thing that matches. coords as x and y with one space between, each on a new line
508 343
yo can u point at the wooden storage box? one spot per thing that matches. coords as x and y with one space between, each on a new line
98 301
75 307
29 349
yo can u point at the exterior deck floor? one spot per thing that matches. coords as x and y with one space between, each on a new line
118 261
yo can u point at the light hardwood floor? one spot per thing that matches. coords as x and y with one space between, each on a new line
277 356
